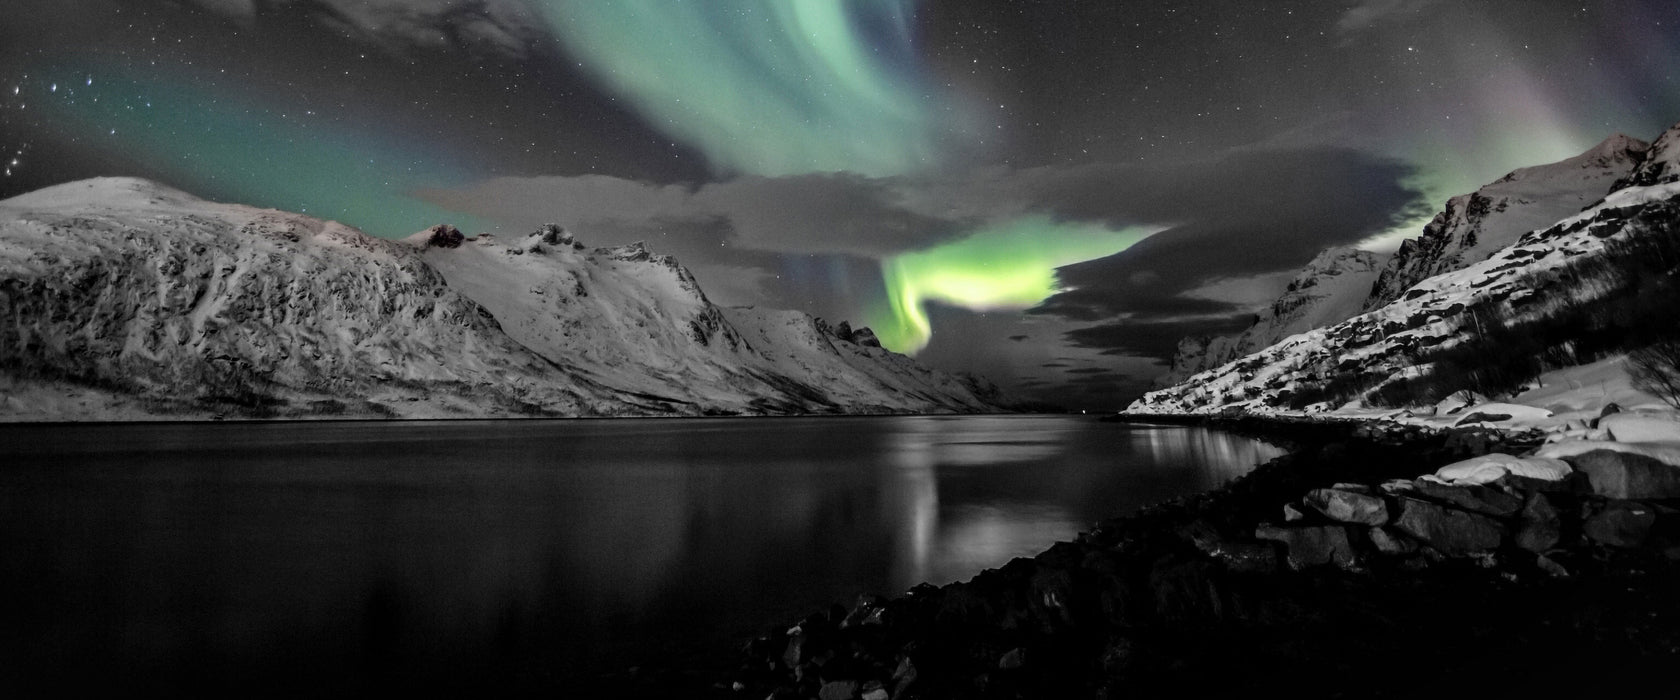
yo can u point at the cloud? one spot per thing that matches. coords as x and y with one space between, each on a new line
1251 212
1153 339
501 27
831 213
1367 14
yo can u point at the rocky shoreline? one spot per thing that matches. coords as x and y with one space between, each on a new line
1345 568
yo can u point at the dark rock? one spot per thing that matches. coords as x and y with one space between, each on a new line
1479 417
444 236
1627 475
1396 487
1548 565
1311 546
1624 524
1348 507
838 690
904 675
1391 543
1452 532
554 234
1013 659
1517 484
1471 497
1248 557
1611 408
1541 526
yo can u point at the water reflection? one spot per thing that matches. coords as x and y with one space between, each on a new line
455 556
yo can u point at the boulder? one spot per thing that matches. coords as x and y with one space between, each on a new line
1495 412
1348 506
1452 532
1291 514
838 690
1311 546
1551 567
1541 525
1490 467
1471 497
1623 524
1388 542
444 236
1642 427
1396 487
1619 470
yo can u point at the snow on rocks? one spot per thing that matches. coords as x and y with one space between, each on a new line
1623 470
1492 467
1642 426
1498 412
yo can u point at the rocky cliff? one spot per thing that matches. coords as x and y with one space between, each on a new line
1384 343
1475 225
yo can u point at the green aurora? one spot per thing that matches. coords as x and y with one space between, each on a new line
771 89
222 145
1009 266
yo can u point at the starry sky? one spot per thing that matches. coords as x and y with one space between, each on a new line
1050 193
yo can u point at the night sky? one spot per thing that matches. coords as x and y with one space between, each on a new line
1050 193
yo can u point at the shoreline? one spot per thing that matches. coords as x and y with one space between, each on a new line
1191 596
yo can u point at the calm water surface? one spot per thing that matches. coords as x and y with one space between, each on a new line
346 557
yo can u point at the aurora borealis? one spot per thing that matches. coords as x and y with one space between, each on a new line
1007 267
767 88
1033 190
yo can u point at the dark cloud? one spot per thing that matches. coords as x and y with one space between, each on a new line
823 213
1091 370
502 27
1096 393
1252 213
1156 339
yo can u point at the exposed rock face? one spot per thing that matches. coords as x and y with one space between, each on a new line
1475 225
160 303
1660 166
1329 289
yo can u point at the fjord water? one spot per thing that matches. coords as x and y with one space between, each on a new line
349 557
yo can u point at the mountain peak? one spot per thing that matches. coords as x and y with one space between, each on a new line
1661 162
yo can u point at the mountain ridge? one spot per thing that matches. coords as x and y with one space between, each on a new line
1433 314
145 301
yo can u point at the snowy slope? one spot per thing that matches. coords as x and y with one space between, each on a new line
630 318
1380 343
1474 226
1330 288
124 298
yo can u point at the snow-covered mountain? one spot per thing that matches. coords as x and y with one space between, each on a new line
1475 225
1385 341
121 298
1331 287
